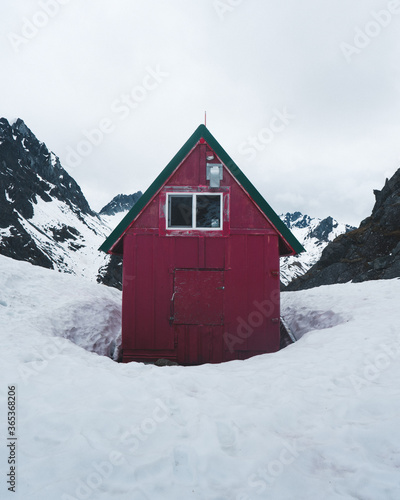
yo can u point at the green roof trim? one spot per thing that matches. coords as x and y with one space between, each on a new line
202 132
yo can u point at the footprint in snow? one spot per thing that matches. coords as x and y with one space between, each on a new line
184 459
226 437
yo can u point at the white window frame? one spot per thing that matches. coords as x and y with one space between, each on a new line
194 196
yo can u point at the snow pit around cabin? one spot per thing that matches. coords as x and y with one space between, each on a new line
317 420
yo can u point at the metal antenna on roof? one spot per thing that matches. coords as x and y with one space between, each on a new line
205 118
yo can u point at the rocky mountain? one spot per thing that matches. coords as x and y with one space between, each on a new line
44 217
370 252
314 234
112 214
121 203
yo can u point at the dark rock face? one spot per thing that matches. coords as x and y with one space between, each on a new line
314 234
61 233
28 169
120 203
111 273
28 172
19 245
325 228
296 219
368 253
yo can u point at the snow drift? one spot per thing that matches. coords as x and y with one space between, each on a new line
316 420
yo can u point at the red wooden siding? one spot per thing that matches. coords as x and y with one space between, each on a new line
152 318
200 296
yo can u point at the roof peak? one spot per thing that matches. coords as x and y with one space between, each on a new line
202 132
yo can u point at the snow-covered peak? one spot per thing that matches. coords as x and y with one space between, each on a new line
24 156
314 234
20 126
121 203
113 213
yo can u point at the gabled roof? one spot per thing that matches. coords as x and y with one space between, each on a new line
199 133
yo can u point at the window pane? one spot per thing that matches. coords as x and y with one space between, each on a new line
208 211
180 211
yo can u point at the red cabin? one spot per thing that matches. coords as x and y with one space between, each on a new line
201 252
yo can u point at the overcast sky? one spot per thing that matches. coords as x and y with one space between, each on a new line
303 95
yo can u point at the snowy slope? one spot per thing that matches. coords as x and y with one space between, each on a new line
112 221
318 420
44 217
78 252
314 234
44 303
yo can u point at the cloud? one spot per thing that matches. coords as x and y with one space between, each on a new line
259 57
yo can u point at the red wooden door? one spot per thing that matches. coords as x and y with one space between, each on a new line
198 313
198 297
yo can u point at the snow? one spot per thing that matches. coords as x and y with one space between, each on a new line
74 252
292 267
8 197
58 305
53 159
84 261
316 420
5 232
24 145
113 220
